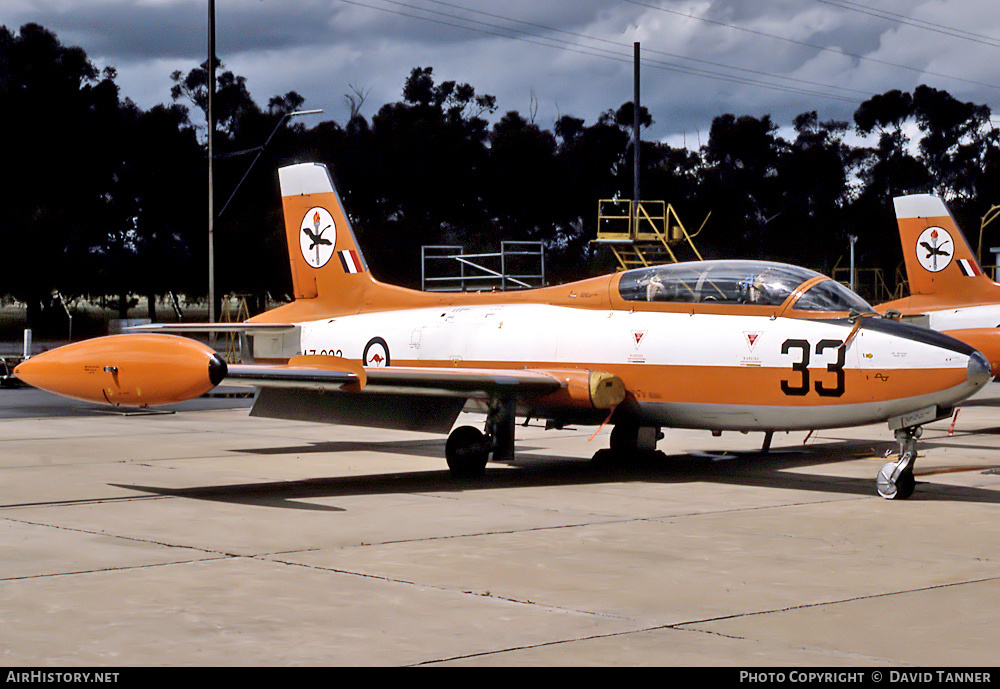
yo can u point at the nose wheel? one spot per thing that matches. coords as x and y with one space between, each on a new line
895 479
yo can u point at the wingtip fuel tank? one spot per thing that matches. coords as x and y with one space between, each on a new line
127 370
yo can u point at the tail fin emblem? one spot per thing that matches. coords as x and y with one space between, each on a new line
935 249
317 237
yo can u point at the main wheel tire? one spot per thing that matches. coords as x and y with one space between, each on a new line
467 451
624 439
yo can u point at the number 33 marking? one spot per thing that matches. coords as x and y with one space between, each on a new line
802 368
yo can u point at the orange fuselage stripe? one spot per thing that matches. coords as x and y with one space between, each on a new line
749 385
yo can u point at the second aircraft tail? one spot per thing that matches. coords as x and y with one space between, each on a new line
939 261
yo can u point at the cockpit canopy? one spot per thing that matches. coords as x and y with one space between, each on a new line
760 283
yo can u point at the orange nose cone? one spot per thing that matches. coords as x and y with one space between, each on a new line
127 370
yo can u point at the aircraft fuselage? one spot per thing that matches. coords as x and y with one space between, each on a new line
694 370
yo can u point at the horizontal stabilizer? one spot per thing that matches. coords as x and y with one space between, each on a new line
188 328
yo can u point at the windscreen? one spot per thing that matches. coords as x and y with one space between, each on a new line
830 295
761 283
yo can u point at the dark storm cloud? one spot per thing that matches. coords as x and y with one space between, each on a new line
178 29
701 58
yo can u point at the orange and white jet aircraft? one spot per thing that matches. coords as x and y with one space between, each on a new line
716 345
948 290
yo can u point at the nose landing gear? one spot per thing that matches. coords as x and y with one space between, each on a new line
895 479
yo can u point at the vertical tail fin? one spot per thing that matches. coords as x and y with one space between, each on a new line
326 261
939 261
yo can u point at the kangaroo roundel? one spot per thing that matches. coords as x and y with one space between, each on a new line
317 236
935 249
376 353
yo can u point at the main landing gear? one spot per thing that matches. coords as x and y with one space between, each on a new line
468 449
630 438
630 442
895 479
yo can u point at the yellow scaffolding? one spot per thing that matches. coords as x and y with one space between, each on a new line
229 315
870 283
992 214
642 236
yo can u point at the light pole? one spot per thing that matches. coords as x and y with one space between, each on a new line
211 159
211 153
636 140
853 239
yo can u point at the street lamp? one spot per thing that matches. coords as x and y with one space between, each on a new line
260 150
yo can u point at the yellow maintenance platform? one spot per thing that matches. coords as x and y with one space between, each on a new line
644 235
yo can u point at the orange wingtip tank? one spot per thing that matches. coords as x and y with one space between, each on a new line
127 370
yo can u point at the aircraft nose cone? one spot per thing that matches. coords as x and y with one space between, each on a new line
978 369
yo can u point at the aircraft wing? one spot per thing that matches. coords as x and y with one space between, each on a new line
140 370
334 390
333 373
463 382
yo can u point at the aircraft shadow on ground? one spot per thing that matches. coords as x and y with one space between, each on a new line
416 448
750 469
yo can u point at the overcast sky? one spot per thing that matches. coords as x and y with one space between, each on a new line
701 58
